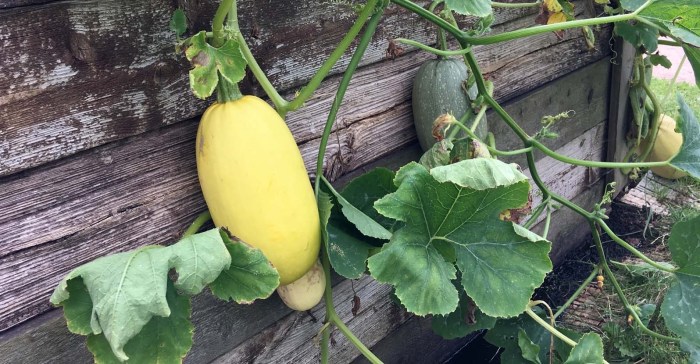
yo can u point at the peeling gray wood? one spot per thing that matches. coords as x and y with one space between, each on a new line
620 109
110 71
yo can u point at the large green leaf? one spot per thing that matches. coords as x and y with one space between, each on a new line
680 17
466 319
249 277
693 55
692 350
480 8
638 34
127 289
210 62
588 350
163 340
681 306
364 223
348 248
530 351
451 215
688 158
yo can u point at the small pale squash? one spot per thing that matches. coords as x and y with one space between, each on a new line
255 184
306 292
668 143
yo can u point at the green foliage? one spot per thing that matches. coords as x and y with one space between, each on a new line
178 22
680 17
126 300
466 319
680 308
451 215
688 158
162 339
588 350
250 275
348 248
529 350
210 63
639 35
480 8
693 55
507 334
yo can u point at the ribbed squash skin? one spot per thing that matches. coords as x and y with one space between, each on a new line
668 143
438 89
255 184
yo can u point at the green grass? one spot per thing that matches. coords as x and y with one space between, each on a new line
690 93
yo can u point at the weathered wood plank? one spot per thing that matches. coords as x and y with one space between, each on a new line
110 70
620 108
107 84
126 194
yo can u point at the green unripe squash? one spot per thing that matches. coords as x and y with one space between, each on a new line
439 88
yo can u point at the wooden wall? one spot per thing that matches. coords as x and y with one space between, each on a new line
97 131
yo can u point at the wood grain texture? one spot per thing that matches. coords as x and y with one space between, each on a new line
110 72
620 113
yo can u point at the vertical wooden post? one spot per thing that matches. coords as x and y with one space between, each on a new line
619 108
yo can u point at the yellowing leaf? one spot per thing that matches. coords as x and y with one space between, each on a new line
553 6
556 18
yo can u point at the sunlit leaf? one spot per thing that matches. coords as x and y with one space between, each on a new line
680 17
451 214
467 318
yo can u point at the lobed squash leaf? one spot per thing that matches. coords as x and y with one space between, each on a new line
680 17
249 277
127 300
467 318
162 340
530 351
348 248
680 307
210 62
688 158
452 217
588 350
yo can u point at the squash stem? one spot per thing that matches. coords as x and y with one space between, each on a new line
340 93
227 91
308 90
578 292
200 220
618 289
